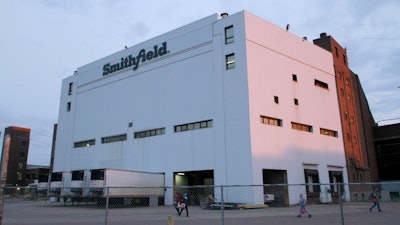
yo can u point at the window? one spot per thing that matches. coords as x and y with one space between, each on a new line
230 61
86 143
77 175
276 99
294 77
56 176
336 52
344 59
22 155
229 35
193 126
68 106
24 143
296 101
19 176
327 132
70 88
321 84
271 121
121 137
149 133
346 116
20 165
302 127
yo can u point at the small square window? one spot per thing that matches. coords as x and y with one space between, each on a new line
294 77
296 101
178 129
68 106
184 127
276 99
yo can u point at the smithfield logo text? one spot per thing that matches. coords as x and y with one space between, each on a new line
129 61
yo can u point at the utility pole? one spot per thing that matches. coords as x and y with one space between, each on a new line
3 174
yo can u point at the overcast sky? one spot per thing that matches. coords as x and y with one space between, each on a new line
44 41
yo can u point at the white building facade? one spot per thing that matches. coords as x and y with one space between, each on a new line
235 99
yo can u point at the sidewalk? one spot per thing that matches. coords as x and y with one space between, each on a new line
27 212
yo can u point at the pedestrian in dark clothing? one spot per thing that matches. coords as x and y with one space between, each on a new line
375 197
184 205
302 209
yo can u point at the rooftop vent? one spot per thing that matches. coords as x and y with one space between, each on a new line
322 35
223 15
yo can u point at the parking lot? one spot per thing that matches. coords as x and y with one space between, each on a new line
43 212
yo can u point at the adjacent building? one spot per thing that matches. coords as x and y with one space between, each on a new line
17 156
356 118
387 142
36 174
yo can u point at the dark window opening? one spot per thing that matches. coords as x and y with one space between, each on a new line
321 84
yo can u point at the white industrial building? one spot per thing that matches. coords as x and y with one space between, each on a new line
225 100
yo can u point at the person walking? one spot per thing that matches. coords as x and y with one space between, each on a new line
375 197
183 204
302 209
177 202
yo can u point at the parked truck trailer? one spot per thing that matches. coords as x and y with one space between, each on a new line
127 187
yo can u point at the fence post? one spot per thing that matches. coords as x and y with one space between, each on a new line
222 206
106 207
340 201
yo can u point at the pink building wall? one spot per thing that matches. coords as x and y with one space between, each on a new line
273 55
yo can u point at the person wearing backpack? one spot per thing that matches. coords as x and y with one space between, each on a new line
183 204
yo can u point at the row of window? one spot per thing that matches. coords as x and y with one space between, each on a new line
146 133
193 126
149 133
296 126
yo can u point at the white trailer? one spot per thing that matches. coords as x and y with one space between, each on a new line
43 185
75 183
127 187
55 184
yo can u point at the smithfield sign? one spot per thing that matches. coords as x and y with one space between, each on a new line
130 61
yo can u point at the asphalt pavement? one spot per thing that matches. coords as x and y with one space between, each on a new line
43 213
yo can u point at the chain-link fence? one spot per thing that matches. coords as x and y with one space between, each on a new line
208 204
